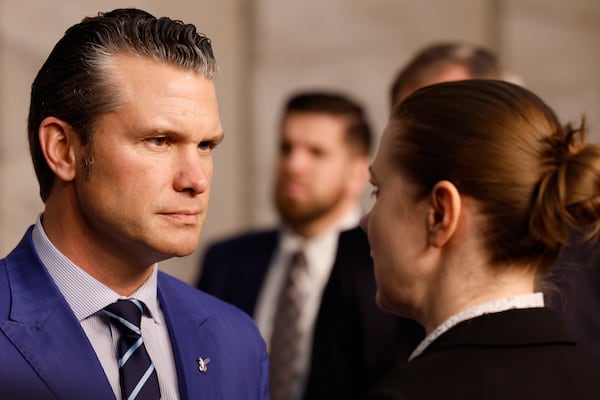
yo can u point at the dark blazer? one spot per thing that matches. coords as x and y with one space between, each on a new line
45 354
517 354
354 342
574 291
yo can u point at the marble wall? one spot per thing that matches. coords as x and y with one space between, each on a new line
269 48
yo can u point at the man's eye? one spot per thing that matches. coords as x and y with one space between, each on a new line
206 145
285 148
317 152
158 141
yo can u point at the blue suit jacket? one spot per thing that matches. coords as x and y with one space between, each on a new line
353 343
45 354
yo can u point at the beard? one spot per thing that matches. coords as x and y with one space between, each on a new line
298 212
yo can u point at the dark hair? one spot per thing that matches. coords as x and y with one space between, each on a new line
358 132
479 62
74 83
502 146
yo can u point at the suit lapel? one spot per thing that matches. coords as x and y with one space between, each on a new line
193 336
46 332
256 273
248 274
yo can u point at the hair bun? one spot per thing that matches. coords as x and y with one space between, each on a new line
568 195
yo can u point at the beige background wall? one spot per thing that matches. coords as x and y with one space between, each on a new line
269 48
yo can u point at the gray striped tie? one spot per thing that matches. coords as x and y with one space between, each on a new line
137 374
287 333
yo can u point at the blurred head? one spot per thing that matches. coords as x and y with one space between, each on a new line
323 158
74 83
502 150
444 62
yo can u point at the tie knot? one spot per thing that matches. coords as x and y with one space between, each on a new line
137 375
127 312
298 258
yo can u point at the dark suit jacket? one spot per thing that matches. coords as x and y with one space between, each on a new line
517 354
575 292
354 342
45 354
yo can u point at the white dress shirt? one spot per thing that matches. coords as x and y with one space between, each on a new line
87 297
320 256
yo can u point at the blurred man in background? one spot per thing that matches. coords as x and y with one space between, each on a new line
309 283
443 62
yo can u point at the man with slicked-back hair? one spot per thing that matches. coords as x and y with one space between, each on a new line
123 122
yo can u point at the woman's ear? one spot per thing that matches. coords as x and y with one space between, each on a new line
444 213
57 141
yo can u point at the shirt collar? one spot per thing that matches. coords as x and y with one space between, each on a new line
350 220
290 241
85 294
530 300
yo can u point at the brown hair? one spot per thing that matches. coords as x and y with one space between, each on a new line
478 61
358 132
501 145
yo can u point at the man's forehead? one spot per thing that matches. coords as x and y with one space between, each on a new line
315 127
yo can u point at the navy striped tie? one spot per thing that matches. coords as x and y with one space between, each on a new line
136 371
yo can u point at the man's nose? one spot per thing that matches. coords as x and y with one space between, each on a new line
193 172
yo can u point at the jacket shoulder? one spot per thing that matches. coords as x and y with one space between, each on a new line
354 238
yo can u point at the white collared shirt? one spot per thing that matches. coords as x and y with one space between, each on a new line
320 254
530 300
87 297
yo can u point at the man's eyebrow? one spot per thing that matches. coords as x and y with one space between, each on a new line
216 138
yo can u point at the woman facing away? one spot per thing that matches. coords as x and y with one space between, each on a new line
476 186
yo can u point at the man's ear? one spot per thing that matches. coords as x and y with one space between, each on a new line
444 213
57 142
359 175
